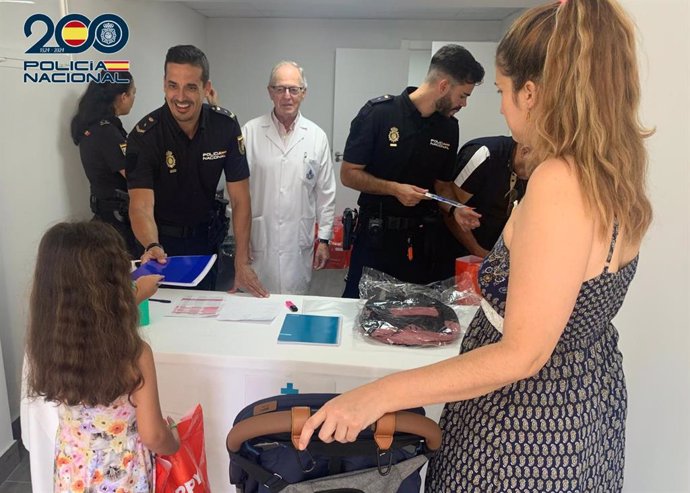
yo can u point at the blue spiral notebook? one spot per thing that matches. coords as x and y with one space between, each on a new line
310 329
185 270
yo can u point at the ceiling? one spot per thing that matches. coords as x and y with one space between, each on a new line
455 10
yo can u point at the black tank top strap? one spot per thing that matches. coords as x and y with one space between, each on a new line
614 237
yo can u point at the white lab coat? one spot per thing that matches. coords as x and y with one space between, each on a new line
292 187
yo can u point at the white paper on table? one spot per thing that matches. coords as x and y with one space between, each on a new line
238 308
197 306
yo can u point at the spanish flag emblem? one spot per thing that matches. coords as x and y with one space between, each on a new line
115 65
75 33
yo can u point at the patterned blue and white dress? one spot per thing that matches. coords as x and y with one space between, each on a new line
561 430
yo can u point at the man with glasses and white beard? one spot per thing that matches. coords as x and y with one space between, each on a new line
292 187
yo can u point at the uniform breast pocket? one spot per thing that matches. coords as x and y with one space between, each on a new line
309 170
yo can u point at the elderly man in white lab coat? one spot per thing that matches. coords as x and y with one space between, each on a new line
292 187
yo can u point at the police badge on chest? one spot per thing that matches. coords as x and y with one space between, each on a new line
170 162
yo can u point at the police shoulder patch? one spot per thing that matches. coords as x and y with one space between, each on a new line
223 111
145 124
381 99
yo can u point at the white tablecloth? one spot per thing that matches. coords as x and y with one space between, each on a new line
228 365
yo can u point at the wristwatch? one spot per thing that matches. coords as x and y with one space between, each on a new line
321 240
451 211
153 245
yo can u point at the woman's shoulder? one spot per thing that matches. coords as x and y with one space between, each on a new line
555 179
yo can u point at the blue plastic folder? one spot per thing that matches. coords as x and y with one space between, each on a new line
186 270
310 329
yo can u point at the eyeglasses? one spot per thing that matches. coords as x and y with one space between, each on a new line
512 193
293 90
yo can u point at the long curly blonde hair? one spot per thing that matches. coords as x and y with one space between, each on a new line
581 56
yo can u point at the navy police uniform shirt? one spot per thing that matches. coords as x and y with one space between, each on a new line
483 170
394 142
182 172
102 149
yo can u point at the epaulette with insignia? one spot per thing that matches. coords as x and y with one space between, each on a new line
145 124
381 99
223 111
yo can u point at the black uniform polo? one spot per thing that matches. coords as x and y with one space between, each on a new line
102 150
394 142
182 172
484 169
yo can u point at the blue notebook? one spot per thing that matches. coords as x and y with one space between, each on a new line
310 329
186 270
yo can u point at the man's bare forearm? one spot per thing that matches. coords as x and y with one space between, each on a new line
363 181
141 216
465 238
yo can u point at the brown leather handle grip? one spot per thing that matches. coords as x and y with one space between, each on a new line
281 422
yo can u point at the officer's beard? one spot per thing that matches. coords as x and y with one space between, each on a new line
444 105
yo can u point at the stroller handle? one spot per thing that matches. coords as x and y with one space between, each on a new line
282 422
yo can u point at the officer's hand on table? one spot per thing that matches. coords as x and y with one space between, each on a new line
155 253
246 280
409 195
466 218
322 255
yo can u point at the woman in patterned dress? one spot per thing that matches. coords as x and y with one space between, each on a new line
85 353
536 400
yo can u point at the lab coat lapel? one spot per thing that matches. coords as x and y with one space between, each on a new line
272 133
297 135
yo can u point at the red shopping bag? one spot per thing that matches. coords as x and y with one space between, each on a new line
467 277
185 470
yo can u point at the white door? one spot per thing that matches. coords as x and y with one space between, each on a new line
360 75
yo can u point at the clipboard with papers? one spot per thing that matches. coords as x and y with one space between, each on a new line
184 270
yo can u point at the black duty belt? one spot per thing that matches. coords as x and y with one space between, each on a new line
198 231
393 223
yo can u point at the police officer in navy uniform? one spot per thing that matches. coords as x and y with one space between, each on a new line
491 176
175 158
399 148
97 130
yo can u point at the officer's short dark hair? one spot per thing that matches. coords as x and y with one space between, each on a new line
458 63
189 55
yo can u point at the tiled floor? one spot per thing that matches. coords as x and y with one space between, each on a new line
19 481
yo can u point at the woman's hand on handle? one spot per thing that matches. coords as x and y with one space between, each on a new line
343 417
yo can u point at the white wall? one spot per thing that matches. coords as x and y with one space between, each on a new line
243 51
654 321
42 179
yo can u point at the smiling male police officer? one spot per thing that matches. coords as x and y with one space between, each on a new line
175 157
400 147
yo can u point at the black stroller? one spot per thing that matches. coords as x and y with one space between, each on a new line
385 459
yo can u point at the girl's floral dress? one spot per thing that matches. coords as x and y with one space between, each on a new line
98 450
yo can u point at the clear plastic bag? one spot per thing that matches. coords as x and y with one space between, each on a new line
408 314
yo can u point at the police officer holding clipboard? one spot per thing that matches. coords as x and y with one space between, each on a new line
175 157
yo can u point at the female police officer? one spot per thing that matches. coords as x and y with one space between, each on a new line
97 130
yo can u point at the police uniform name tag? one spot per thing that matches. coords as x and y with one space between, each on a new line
440 144
212 156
